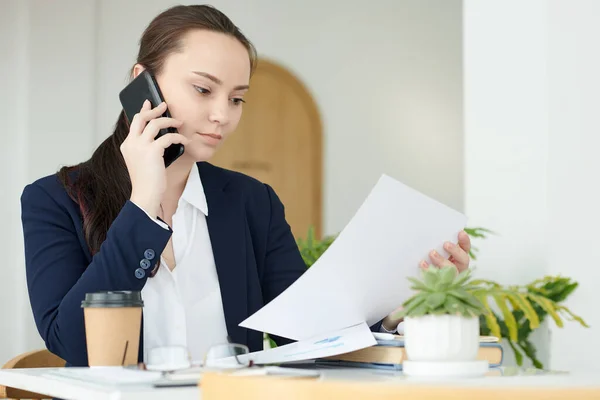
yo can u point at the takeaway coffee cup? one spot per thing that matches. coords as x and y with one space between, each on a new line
112 327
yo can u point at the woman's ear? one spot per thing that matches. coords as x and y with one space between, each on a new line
137 69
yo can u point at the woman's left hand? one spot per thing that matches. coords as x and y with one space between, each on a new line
459 258
459 254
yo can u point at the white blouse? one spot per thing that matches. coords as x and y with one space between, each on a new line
183 306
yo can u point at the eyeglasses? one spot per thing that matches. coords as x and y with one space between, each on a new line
168 358
227 356
220 357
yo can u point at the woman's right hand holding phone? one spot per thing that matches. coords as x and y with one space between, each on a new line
143 155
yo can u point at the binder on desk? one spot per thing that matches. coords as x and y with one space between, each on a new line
389 354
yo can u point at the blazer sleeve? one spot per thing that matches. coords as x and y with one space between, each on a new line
283 261
59 273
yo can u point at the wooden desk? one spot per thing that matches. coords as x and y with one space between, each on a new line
378 385
334 383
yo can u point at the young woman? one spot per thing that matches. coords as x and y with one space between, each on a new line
207 247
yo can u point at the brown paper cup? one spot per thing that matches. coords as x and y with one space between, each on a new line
112 327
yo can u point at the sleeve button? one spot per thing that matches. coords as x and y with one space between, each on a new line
140 273
145 263
149 254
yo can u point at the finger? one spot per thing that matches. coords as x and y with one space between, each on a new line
458 256
155 125
146 114
169 139
146 106
423 264
137 123
438 260
464 241
150 113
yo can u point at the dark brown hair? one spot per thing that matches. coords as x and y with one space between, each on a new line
101 185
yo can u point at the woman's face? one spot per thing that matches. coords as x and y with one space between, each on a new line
204 86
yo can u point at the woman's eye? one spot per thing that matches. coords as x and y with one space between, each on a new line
237 101
202 90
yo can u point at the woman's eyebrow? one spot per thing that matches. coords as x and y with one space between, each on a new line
218 81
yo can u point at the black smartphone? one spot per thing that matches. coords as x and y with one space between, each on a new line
144 87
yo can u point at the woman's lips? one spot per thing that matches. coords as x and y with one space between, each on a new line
211 138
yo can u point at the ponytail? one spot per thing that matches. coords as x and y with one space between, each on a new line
100 185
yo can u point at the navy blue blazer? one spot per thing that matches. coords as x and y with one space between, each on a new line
256 256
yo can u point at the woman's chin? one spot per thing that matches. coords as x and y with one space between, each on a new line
200 152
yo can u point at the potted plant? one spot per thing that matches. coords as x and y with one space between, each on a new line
520 309
441 320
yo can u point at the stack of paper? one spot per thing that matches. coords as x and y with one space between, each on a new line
362 276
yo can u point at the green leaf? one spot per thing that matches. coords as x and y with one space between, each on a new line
451 305
478 232
472 254
548 306
573 316
490 318
420 310
272 343
430 277
559 297
447 274
478 282
417 284
518 355
509 318
412 305
436 300
438 311
523 304
417 298
468 298
530 352
462 309
310 238
461 278
459 294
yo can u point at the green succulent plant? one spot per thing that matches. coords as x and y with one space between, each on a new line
442 291
515 303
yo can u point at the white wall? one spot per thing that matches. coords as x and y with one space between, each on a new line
13 23
573 189
506 139
47 66
506 136
387 80
531 140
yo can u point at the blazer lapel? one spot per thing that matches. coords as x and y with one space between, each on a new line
226 228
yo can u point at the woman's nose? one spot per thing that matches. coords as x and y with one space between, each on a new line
218 113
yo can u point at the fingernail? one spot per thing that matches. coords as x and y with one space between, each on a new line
448 246
423 264
146 102
434 254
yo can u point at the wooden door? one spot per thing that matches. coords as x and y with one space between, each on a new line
278 141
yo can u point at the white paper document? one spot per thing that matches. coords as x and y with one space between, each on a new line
362 276
106 375
324 345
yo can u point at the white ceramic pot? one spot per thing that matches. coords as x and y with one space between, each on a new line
441 338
